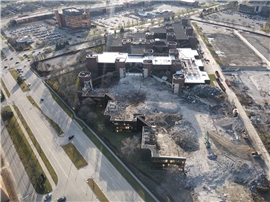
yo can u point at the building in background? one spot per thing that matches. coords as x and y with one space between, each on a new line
73 18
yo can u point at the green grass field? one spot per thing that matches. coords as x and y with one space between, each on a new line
5 88
98 192
75 156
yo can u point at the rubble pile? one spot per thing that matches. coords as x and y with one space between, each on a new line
260 184
164 120
205 91
185 136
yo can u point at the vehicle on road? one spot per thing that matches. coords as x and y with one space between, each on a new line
29 84
70 137
6 59
228 83
11 58
41 99
217 74
48 196
63 198
17 63
206 60
5 67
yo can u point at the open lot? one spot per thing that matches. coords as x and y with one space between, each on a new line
261 43
231 50
252 21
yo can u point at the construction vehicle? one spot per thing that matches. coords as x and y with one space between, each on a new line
256 154
222 95
266 104
207 143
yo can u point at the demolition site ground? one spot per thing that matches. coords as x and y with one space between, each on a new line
212 174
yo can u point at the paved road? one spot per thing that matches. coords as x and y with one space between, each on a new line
211 67
72 182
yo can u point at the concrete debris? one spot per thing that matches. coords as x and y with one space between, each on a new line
205 91
185 136
260 184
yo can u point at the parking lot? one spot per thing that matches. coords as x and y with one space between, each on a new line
231 50
129 16
252 21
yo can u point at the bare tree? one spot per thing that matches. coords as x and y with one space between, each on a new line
88 102
130 147
91 118
83 112
108 78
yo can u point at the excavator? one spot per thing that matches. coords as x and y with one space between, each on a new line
207 143
266 104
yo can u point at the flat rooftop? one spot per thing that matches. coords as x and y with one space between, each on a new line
109 57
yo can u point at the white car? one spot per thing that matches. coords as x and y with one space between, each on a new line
48 196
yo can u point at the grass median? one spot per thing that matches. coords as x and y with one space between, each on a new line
37 146
5 88
74 155
27 156
22 85
98 192
56 127
212 79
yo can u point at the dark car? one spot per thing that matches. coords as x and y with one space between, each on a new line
70 137
41 99
17 63
63 198
11 58
6 59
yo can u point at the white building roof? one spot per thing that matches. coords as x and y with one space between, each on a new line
198 77
162 60
135 59
109 57
187 53
199 63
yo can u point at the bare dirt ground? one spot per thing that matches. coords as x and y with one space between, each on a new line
261 43
253 89
211 174
232 51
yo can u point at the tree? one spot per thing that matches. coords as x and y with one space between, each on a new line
88 102
122 30
108 78
19 80
130 148
128 22
6 114
83 112
91 118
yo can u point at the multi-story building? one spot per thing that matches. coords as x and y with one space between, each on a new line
73 18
